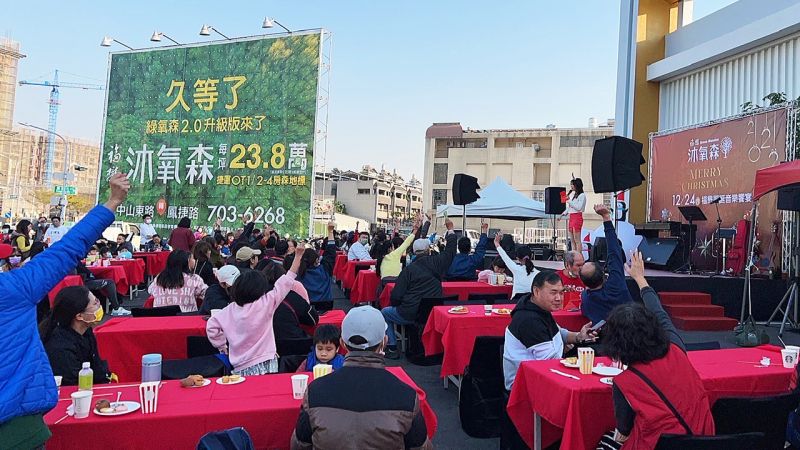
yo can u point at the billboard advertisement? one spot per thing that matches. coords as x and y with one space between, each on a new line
215 131
718 161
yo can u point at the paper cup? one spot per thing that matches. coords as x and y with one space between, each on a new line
796 351
501 279
789 358
58 383
487 310
81 403
586 360
299 384
320 370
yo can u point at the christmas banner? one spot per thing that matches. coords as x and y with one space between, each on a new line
215 131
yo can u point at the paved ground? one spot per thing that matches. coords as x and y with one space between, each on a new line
445 401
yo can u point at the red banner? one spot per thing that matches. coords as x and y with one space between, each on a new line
719 161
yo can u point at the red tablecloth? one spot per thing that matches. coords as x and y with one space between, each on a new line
349 272
338 266
364 288
155 261
134 270
454 334
263 405
123 340
69 280
460 288
580 411
116 273
332 317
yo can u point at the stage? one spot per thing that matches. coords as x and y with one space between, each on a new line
724 291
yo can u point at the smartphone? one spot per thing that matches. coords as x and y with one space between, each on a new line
598 325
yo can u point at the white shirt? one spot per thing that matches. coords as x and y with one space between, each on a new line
55 233
578 205
147 231
358 251
522 279
514 353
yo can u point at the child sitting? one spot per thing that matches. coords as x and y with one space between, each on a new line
498 266
243 329
326 349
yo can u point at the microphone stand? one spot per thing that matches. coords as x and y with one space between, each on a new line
718 238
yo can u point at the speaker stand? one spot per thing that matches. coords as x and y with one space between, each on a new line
789 300
553 240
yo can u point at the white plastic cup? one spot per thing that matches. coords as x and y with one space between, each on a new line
487 310
81 403
58 383
299 385
796 351
789 358
493 278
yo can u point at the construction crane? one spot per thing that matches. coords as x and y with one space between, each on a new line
51 123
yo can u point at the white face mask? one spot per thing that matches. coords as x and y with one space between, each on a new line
363 241
147 220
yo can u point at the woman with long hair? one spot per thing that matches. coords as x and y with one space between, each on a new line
182 237
215 242
521 268
21 238
177 285
68 338
575 207
202 253
647 400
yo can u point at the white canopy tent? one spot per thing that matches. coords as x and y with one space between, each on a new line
498 201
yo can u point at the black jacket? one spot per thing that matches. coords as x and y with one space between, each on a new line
291 313
422 279
67 351
206 271
216 297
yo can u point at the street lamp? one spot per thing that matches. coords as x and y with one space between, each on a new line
108 40
66 166
269 23
156 37
207 29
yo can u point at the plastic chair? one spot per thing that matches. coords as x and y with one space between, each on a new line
199 346
768 415
480 399
694 346
161 311
207 366
741 441
490 299
230 439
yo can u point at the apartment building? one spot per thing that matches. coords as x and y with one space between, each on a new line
529 160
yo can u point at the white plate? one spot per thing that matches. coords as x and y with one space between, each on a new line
565 363
241 380
455 311
606 371
497 311
132 406
206 382
607 380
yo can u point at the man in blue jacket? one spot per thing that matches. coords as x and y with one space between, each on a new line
27 387
464 265
601 294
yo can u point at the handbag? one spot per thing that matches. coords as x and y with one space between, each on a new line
748 334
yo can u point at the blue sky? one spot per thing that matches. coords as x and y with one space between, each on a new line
398 66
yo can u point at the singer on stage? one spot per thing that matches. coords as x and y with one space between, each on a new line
575 207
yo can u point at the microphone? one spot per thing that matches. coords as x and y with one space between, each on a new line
715 201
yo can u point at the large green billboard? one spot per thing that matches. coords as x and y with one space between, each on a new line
215 131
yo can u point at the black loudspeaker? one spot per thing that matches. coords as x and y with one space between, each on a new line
789 199
552 200
662 253
615 164
465 189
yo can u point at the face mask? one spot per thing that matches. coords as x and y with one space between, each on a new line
147 220
363 241
98 315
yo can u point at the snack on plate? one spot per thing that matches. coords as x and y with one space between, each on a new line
503 311
458 309
234 378
120 408
573 360
192 380
108 410
102 404
226 379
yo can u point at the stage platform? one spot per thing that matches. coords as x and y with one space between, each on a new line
724 291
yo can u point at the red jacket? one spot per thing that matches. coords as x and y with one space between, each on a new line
182 239
678 381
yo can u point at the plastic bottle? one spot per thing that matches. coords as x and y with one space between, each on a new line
85 378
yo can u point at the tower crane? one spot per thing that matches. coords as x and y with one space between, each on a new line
51 123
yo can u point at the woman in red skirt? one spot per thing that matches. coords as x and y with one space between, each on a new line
576 204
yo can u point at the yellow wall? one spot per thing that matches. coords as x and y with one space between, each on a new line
653 25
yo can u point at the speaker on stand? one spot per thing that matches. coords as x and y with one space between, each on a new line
465 191
615 166
789 200
554 205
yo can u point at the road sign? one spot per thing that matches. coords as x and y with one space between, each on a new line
59 176
70 190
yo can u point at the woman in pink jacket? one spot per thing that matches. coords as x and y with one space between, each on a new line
243 329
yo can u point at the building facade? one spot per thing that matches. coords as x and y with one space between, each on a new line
529 160
23 153
377 196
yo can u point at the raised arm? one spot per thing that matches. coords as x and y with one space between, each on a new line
445 259
510 263
329 257
616 270
480 249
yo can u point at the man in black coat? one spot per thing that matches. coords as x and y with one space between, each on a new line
422 278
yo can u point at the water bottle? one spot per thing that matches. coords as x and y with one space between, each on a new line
85 378
151 367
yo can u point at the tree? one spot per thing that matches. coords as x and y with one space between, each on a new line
340 207
80 204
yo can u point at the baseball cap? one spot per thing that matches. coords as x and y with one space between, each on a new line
421 245
366 322
246 253
227 274
5 251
